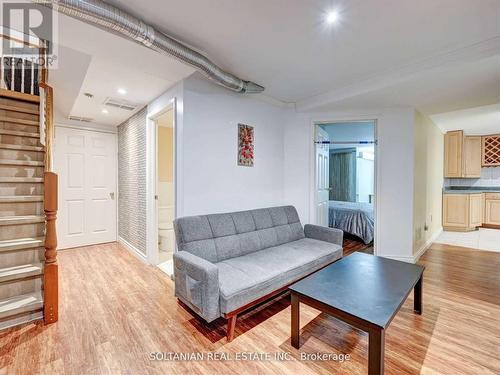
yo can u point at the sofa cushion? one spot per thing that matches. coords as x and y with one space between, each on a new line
246 278
219 237
262 218
222 225
243 221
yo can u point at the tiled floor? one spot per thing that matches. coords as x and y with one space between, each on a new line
484 239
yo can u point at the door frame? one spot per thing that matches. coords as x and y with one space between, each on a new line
312 163
152 250
115 161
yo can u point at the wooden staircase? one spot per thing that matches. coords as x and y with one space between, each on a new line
22 217
28 204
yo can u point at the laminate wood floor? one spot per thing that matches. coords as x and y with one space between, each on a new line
115 311
352 244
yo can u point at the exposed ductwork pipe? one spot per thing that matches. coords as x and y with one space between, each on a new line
110 18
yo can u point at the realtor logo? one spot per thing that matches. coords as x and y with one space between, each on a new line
25 27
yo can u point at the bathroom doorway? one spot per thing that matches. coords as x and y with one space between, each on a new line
165 188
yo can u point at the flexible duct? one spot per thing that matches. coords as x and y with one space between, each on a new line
108 17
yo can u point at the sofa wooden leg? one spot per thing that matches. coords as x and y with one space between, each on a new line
231 323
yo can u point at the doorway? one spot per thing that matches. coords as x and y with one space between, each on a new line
165 188
345 180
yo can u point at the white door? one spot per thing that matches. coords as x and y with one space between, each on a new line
85 162
322 176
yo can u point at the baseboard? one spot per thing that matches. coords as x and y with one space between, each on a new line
426 245
139 255
416 256
408 259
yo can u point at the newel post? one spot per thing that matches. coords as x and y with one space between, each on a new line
50 277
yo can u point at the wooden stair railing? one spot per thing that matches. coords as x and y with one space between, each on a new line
19 74
51 274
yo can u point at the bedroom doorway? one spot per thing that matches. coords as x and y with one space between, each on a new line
345 180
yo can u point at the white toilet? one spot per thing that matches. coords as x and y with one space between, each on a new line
166 228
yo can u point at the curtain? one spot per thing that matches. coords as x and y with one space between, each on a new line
343 175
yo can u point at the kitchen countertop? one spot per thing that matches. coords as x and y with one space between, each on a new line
470 190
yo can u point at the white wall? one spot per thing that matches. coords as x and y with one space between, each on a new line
209 180
213 182
394 220
365 179
207 177
428 183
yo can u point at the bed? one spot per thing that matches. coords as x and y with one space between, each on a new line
355 218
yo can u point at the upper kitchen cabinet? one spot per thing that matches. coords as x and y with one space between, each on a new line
472 156
453 151
491 150
462 155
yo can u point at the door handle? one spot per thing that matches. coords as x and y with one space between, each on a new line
112 195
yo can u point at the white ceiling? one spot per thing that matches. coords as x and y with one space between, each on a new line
286 46
438 56
438 90
476 121
98 62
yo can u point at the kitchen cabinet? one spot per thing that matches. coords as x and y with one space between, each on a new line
453 148
462 212
462 155
491 150
476 206
492 209
472 156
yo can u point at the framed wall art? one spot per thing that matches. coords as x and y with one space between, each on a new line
245 145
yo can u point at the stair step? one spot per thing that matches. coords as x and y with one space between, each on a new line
21 198
21 304
20 272
19 121
21 179
21 243
19 134
16 220
13 108
11 94
6 146
22 162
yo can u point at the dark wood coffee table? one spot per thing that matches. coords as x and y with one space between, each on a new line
364 291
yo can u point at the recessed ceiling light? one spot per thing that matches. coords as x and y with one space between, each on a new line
105 111
332 17
122 91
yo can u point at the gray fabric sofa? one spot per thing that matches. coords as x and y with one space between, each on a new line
227 262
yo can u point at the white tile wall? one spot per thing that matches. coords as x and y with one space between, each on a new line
132 180
489 177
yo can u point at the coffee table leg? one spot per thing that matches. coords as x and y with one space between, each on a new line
295 321
417 296
376 344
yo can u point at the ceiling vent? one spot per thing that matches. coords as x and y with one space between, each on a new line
121 104
81 119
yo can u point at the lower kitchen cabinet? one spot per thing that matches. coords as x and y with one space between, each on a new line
492 209
462 212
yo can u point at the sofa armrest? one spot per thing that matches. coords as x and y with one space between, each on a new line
326 234
197 284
